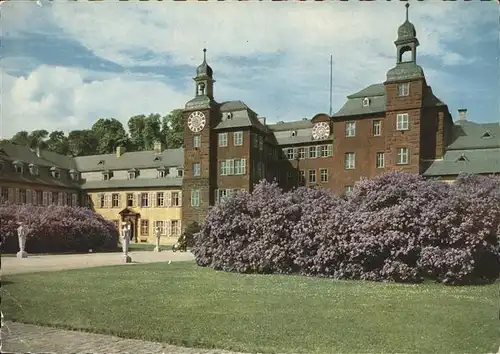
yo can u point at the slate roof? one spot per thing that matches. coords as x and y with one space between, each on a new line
354 105
134 183
454 162
240 116
10 153
470 135
470 151
129 160
290 126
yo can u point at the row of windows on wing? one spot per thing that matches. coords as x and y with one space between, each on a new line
168 228
38 197
139 200
305 152
223 140
133 174
228 167
34 170
402 124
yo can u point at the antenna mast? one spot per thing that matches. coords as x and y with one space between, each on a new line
331 66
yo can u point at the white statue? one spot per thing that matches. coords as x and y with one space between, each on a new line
157 234
22 232
126 232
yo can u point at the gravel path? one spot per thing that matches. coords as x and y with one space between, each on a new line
25 338
45 263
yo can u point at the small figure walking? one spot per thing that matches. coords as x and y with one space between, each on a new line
22 232
157 234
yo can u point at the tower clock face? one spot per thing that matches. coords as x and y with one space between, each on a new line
196 122
321 130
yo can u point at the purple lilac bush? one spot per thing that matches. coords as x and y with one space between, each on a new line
56 229
395 227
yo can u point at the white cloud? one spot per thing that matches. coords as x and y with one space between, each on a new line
359 36
60 98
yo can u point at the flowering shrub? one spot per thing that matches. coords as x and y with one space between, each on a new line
56 229
394 227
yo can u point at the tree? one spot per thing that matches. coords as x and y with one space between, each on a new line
37 138
135 128
173 129
21 138
110 134
58 142
145 131
82 142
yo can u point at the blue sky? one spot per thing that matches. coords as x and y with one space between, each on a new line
66 64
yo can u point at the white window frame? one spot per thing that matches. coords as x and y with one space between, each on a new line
160 199
377 127
291 153
380 160
366 102
223 139
348 189
196 141
175 228
403 156
326 150
404 89
402 122
350 160
240 166
177 194
195 197
350 129
323 175
302 153
196 169
142 204
311 173
238 138
313 152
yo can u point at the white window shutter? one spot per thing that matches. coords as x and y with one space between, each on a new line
29 199
168 224
139 200
45 198
180 198
154 200
134 200
11 195
74 200
168 200
33 197
16 196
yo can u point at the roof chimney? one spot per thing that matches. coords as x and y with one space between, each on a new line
158 147
120 150
262 120
462 113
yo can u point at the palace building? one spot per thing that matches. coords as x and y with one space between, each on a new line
398 124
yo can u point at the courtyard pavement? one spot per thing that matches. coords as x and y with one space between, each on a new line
25 338
46 263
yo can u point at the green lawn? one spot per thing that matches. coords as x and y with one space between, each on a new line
186 305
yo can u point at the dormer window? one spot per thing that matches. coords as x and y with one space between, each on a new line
56 173
293 133
162 172
74 175
107 175
18 166
366 102
180 173
157 158
463 158
101 162
132 174
486 135
33 170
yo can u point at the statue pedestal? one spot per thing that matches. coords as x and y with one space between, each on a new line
127 259
22 254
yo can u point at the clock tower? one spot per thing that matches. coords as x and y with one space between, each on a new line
200 116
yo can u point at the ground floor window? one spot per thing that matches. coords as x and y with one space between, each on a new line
144 227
